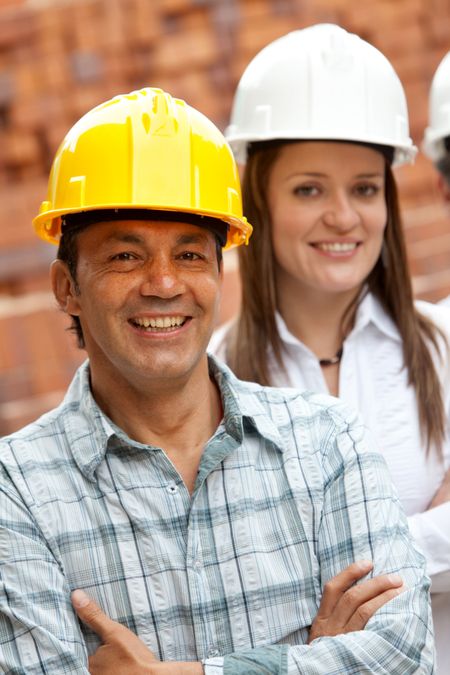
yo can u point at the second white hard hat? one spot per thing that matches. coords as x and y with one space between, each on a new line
321 83
439 112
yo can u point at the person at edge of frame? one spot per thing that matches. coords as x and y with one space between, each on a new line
436 141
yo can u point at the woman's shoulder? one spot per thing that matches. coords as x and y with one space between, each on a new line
438 314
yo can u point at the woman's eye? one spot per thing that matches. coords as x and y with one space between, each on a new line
367 190
306 190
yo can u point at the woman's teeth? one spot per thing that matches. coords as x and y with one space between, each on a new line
338 247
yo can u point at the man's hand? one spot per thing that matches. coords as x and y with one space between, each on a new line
346 607
122 653
443 493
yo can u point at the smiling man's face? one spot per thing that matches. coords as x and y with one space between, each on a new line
147 297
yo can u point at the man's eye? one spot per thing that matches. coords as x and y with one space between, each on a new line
190 255
125 255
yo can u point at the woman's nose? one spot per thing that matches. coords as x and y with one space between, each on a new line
341 213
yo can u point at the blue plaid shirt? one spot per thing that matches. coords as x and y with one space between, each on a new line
289 492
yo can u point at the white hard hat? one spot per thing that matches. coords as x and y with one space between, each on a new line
439 112
321 83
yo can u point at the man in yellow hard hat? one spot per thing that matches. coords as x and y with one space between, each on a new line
205 516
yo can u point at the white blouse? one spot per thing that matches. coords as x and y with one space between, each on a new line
372 380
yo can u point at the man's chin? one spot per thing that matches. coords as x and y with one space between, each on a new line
168 368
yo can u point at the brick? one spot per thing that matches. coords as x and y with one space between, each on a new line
181 52
84 19
201 19
437 24
193 85
16 27
175 6
144 21
21 149
113 21
52 30
86 98
255 35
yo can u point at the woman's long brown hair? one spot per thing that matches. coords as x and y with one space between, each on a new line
255 332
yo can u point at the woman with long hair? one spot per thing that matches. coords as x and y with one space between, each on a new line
319 120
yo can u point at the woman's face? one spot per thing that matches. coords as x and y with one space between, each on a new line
328 211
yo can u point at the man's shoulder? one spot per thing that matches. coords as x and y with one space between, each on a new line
38 433
291 406
53 427
313 427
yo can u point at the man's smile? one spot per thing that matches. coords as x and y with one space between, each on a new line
158 324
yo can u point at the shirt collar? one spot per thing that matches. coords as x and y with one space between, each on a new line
370 311
90 432
243 401
86 427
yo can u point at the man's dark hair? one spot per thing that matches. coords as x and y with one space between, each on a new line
74 223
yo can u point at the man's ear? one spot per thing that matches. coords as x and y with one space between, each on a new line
64 288
444 188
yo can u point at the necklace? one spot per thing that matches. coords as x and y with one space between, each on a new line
333 361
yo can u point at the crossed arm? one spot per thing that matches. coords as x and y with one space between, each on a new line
345 607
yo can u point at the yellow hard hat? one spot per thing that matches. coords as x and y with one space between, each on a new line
144 150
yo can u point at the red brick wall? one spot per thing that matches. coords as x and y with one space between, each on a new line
60 58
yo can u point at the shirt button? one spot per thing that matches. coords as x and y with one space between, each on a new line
172 488
198 565
212 652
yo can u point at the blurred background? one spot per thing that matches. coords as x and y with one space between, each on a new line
59 58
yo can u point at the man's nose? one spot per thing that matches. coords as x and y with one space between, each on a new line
162 279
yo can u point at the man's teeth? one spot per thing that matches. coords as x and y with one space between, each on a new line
160 322
338 247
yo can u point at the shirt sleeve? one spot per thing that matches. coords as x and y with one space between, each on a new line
361 518
39 631
431 531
